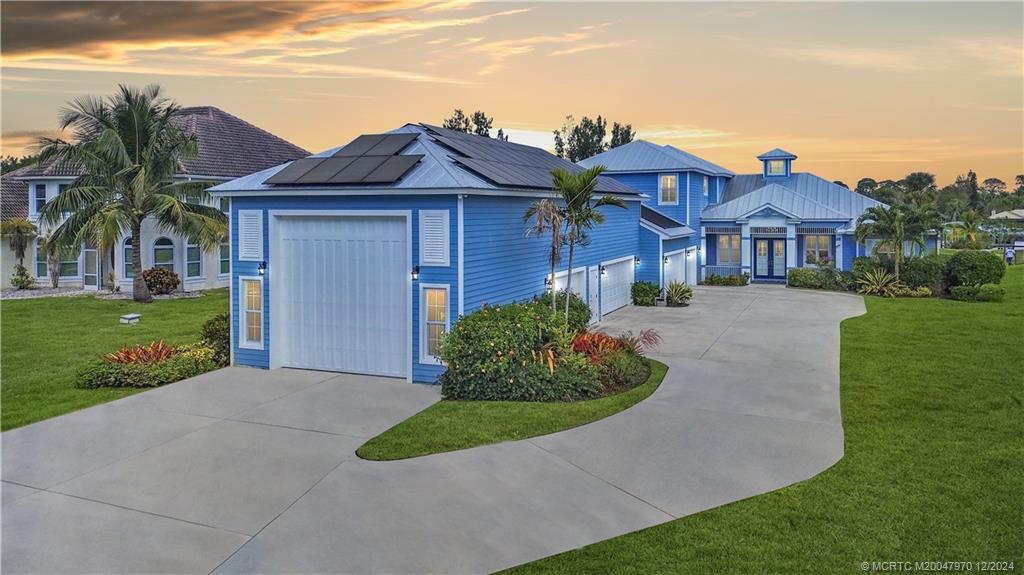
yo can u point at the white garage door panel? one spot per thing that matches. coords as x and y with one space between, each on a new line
675 269
343 294
615 286
578 282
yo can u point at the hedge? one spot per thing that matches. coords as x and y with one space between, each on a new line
975 268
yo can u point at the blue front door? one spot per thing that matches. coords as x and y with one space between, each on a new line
770 259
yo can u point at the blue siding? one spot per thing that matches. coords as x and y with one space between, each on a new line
697 199
649 269
428 274
503 265
679 244
849 252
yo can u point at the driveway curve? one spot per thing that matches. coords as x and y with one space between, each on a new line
260 476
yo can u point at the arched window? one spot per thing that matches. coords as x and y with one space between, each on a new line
163 254
129 255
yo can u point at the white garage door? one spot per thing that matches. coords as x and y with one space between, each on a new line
579 278
340 293
615 285
675 269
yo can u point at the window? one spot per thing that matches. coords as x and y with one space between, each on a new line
225 205
193 261
729 250
41 270
163 254
40 193
129 259
776 167
250 320
705 186
817 247
669 186
434 304
68 264
225 258
61 188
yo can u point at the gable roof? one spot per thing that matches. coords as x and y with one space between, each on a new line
777 154
783 199
644 156
1016 215
663 224
229 147
450 160
849 204
13 195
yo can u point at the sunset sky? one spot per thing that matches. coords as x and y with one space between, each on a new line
854 89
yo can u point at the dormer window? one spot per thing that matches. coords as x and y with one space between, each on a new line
777 163
40 196
776 167
668 185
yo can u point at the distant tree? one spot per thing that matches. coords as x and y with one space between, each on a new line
841 183
951 201
578 141
457 121
970 226
895 226
18 232
481 124
889 192
919 181
502 135
11 163
969 184
1019 182
621 134
994 186
867 187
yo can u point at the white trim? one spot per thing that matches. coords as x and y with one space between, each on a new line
674 252
274 215
255 254
243 324
688 198
447 246
661 262
660 200
430 359
202 252
461 254
273 192
173 247
705 186
666 233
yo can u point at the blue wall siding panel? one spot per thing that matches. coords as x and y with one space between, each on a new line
849 252
679 244
503 265
649 269
648 183
428 274
696 194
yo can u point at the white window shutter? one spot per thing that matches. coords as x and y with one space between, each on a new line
250 235
434 238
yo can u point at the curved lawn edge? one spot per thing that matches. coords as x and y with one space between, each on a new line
455 425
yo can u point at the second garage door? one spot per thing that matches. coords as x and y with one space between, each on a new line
341 294
616 284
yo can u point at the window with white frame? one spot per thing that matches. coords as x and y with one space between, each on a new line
68 265
41 269
705 186
817 247
776 167
40 196
668 184
163 254
225 258
193 261
250 317
434 320
729 250
128 254
225 205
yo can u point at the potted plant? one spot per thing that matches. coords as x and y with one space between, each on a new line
678 294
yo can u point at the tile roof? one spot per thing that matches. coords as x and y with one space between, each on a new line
13 195
644 156
777 154
848 203
668 226
229 147
1016 215
773 195
447 157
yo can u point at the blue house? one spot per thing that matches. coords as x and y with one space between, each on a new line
360 258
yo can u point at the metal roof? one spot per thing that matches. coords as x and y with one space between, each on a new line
782 199
644 156
450 160
667 226
847 202
777 154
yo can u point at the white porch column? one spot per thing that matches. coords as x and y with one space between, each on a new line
791 255
745 247
839 252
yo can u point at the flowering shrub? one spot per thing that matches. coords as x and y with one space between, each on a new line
152 353
150 365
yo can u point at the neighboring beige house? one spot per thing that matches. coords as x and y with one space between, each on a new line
229 147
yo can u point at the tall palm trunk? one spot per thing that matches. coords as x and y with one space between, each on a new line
568 279
140 291
554 256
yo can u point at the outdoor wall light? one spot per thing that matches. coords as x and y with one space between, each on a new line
547 280
602 270
664 260
636 260
415 273
263 268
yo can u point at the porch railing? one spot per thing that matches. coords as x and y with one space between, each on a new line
723 270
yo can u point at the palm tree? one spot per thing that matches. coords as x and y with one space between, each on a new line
19 230
131 150
581 211
894 227
970 223
548 218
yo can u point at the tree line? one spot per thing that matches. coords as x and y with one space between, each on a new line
952 201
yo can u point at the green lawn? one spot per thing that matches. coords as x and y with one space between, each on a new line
452 425
44 341
932 394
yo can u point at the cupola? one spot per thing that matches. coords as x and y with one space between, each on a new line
778 163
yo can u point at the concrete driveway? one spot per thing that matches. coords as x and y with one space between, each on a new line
242 471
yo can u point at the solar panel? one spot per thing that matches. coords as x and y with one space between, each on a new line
394 167
294 170
358 169
325 171
391 144
361 145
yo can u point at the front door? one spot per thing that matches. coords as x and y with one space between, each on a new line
770 259
91 273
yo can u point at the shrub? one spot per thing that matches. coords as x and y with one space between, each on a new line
596 344
21 279
161 280
974 268
190 362
102 373
836 280
864 264
579 311
645 293
150 365
880 283
990 292
928 271
717 280
964 293
153 353
623 369
642 343
804 278
903 291
518 352
678 293
216 334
